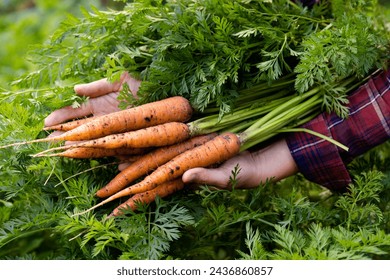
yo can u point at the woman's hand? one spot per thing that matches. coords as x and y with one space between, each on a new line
103 99
271 163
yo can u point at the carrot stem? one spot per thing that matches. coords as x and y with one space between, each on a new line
331 140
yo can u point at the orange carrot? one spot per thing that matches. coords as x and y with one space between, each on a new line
216 150
149 162
173 109
147 197
85 153
155 136
69 125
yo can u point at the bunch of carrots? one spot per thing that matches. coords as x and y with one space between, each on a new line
168 140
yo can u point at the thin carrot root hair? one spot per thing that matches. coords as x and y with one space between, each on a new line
150 162
147 197
217 150
155 136
173 109
66 126
86 153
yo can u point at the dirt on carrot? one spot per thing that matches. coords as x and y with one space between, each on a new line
216 150
173 109
86 153
147 197
69 125
149 162
155 136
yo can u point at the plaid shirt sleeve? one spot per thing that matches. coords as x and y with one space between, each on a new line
367 126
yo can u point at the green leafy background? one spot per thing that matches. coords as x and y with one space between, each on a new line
292 219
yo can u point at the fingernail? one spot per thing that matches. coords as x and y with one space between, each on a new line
188 178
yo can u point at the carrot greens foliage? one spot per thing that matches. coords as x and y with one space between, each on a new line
231 59
206 50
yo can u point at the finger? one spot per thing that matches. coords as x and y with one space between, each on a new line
55 133
123 166
68 113
134 84
103 86
214 177
103 105
97 88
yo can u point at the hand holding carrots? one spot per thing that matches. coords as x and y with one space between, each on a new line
103 99
166 124
254 168
271 163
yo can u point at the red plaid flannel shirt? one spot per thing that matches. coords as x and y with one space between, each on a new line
367 126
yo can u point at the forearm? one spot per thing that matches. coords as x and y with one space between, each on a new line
274 162
367 126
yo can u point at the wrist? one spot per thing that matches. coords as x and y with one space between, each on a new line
274 162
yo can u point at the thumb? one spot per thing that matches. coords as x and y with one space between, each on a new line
215 177
68 113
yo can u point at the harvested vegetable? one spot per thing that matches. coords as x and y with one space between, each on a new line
154 136
216 150
162 190
214 53
172 109
148 163
69 125
207 51
226 145
85 153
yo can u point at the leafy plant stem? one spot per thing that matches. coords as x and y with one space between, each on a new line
338 144
273 122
